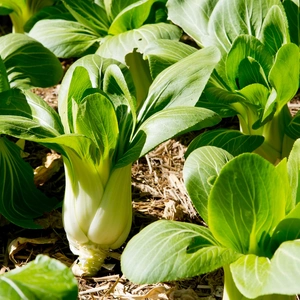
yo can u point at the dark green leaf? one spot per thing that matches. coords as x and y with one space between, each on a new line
233 141
20 201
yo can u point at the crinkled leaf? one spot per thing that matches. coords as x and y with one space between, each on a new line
20 201
170 90
200 170
233 141
168 250
117 46
43 278
246 202
28 63
256 276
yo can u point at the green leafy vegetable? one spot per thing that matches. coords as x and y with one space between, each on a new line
43 278
259 71
101 131
253 228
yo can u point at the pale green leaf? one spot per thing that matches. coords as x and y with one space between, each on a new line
256 276
294 171
132 17
284 75
163 53
200 170
168 250
96 119
65 38
89 14
170 90
44 278
246 203
28 63
117 46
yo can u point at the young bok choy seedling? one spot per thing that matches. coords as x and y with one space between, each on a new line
253 215
100 132
259 71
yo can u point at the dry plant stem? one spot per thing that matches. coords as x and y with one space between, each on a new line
232 293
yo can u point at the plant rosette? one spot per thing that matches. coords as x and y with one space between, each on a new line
253 216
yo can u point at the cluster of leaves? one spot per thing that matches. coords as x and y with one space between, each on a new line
123 97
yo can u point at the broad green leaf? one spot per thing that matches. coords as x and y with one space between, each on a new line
164 125
65 38
294 171
201 168
20 201
27 114
292 8
89 14
114 7
4 83
164 53
28 63
96 119
246 46
58 11
256 276
193 17
293 128
232 18
169 250
132 17
250 72
170 90
43 278
233 141
287 230
246 202
284 75
275 29
117 46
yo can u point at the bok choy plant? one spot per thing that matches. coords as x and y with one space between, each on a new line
100 132
24 63
117 29
259 71
20 11
252 211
